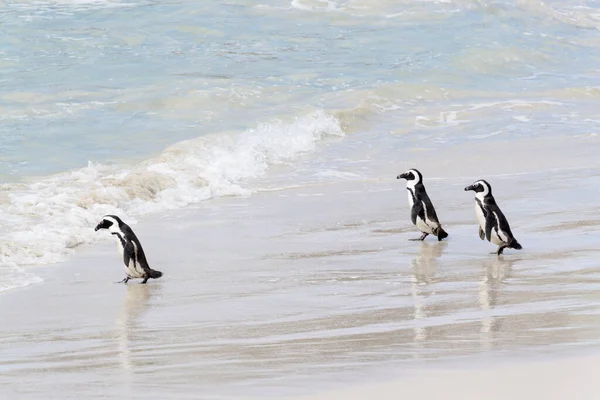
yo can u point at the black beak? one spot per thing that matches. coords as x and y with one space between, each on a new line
99 226
470 187
401 176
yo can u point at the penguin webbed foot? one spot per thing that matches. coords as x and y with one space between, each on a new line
145 280
423 236
500 250
125 280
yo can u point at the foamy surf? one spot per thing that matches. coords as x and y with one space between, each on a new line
43 221
12 277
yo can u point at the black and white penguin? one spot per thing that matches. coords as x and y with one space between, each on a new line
130 249
422 212
493 225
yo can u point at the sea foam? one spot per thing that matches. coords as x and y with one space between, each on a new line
42 221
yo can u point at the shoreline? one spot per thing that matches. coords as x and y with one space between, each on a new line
442 159
307 288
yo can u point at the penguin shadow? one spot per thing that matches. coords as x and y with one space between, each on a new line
135 304
495 273
425 263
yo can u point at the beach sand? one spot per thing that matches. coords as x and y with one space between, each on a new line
550 380
312 290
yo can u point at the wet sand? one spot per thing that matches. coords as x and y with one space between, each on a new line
550 380
317 288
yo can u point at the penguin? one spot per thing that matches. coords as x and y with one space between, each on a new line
493 225
130 249
422 213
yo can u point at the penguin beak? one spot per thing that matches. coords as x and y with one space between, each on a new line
99 226
401 176
470 187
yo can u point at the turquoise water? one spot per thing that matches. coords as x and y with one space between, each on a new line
137 107
115 81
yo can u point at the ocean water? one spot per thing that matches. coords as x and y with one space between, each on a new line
139 107
254 148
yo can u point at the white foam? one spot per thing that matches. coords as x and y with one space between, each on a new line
41 222
12 277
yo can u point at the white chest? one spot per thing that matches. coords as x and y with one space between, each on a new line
411 201
480 216
119 246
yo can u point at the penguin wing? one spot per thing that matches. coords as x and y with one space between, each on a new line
140 257
128 253
490 223
429 213
481 208
499 221
504 231
417 209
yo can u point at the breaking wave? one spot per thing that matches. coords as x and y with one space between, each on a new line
42 221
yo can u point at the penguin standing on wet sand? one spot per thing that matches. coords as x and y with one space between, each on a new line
130 249
422 213
493 225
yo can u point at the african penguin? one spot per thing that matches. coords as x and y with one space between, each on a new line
129 248
492 222
422 212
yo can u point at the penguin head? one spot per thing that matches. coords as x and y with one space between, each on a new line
481 188
412 177
110 222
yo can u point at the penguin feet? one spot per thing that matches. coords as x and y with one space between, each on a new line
125 280
500 249
145 280
423 236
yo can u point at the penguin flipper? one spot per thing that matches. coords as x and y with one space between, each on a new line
490 222
128 253
417 210
481 234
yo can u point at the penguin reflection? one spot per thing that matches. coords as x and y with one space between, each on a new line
135 304
425 266
495 272
425 263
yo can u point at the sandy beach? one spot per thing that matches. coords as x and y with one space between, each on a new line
313 290
554 380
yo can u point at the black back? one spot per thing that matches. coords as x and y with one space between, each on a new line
494 218
128 248
420 197
130 236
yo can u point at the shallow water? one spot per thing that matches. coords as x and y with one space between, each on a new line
291 291
176 103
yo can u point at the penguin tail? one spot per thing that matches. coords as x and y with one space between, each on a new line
515 245
442 234
154 274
